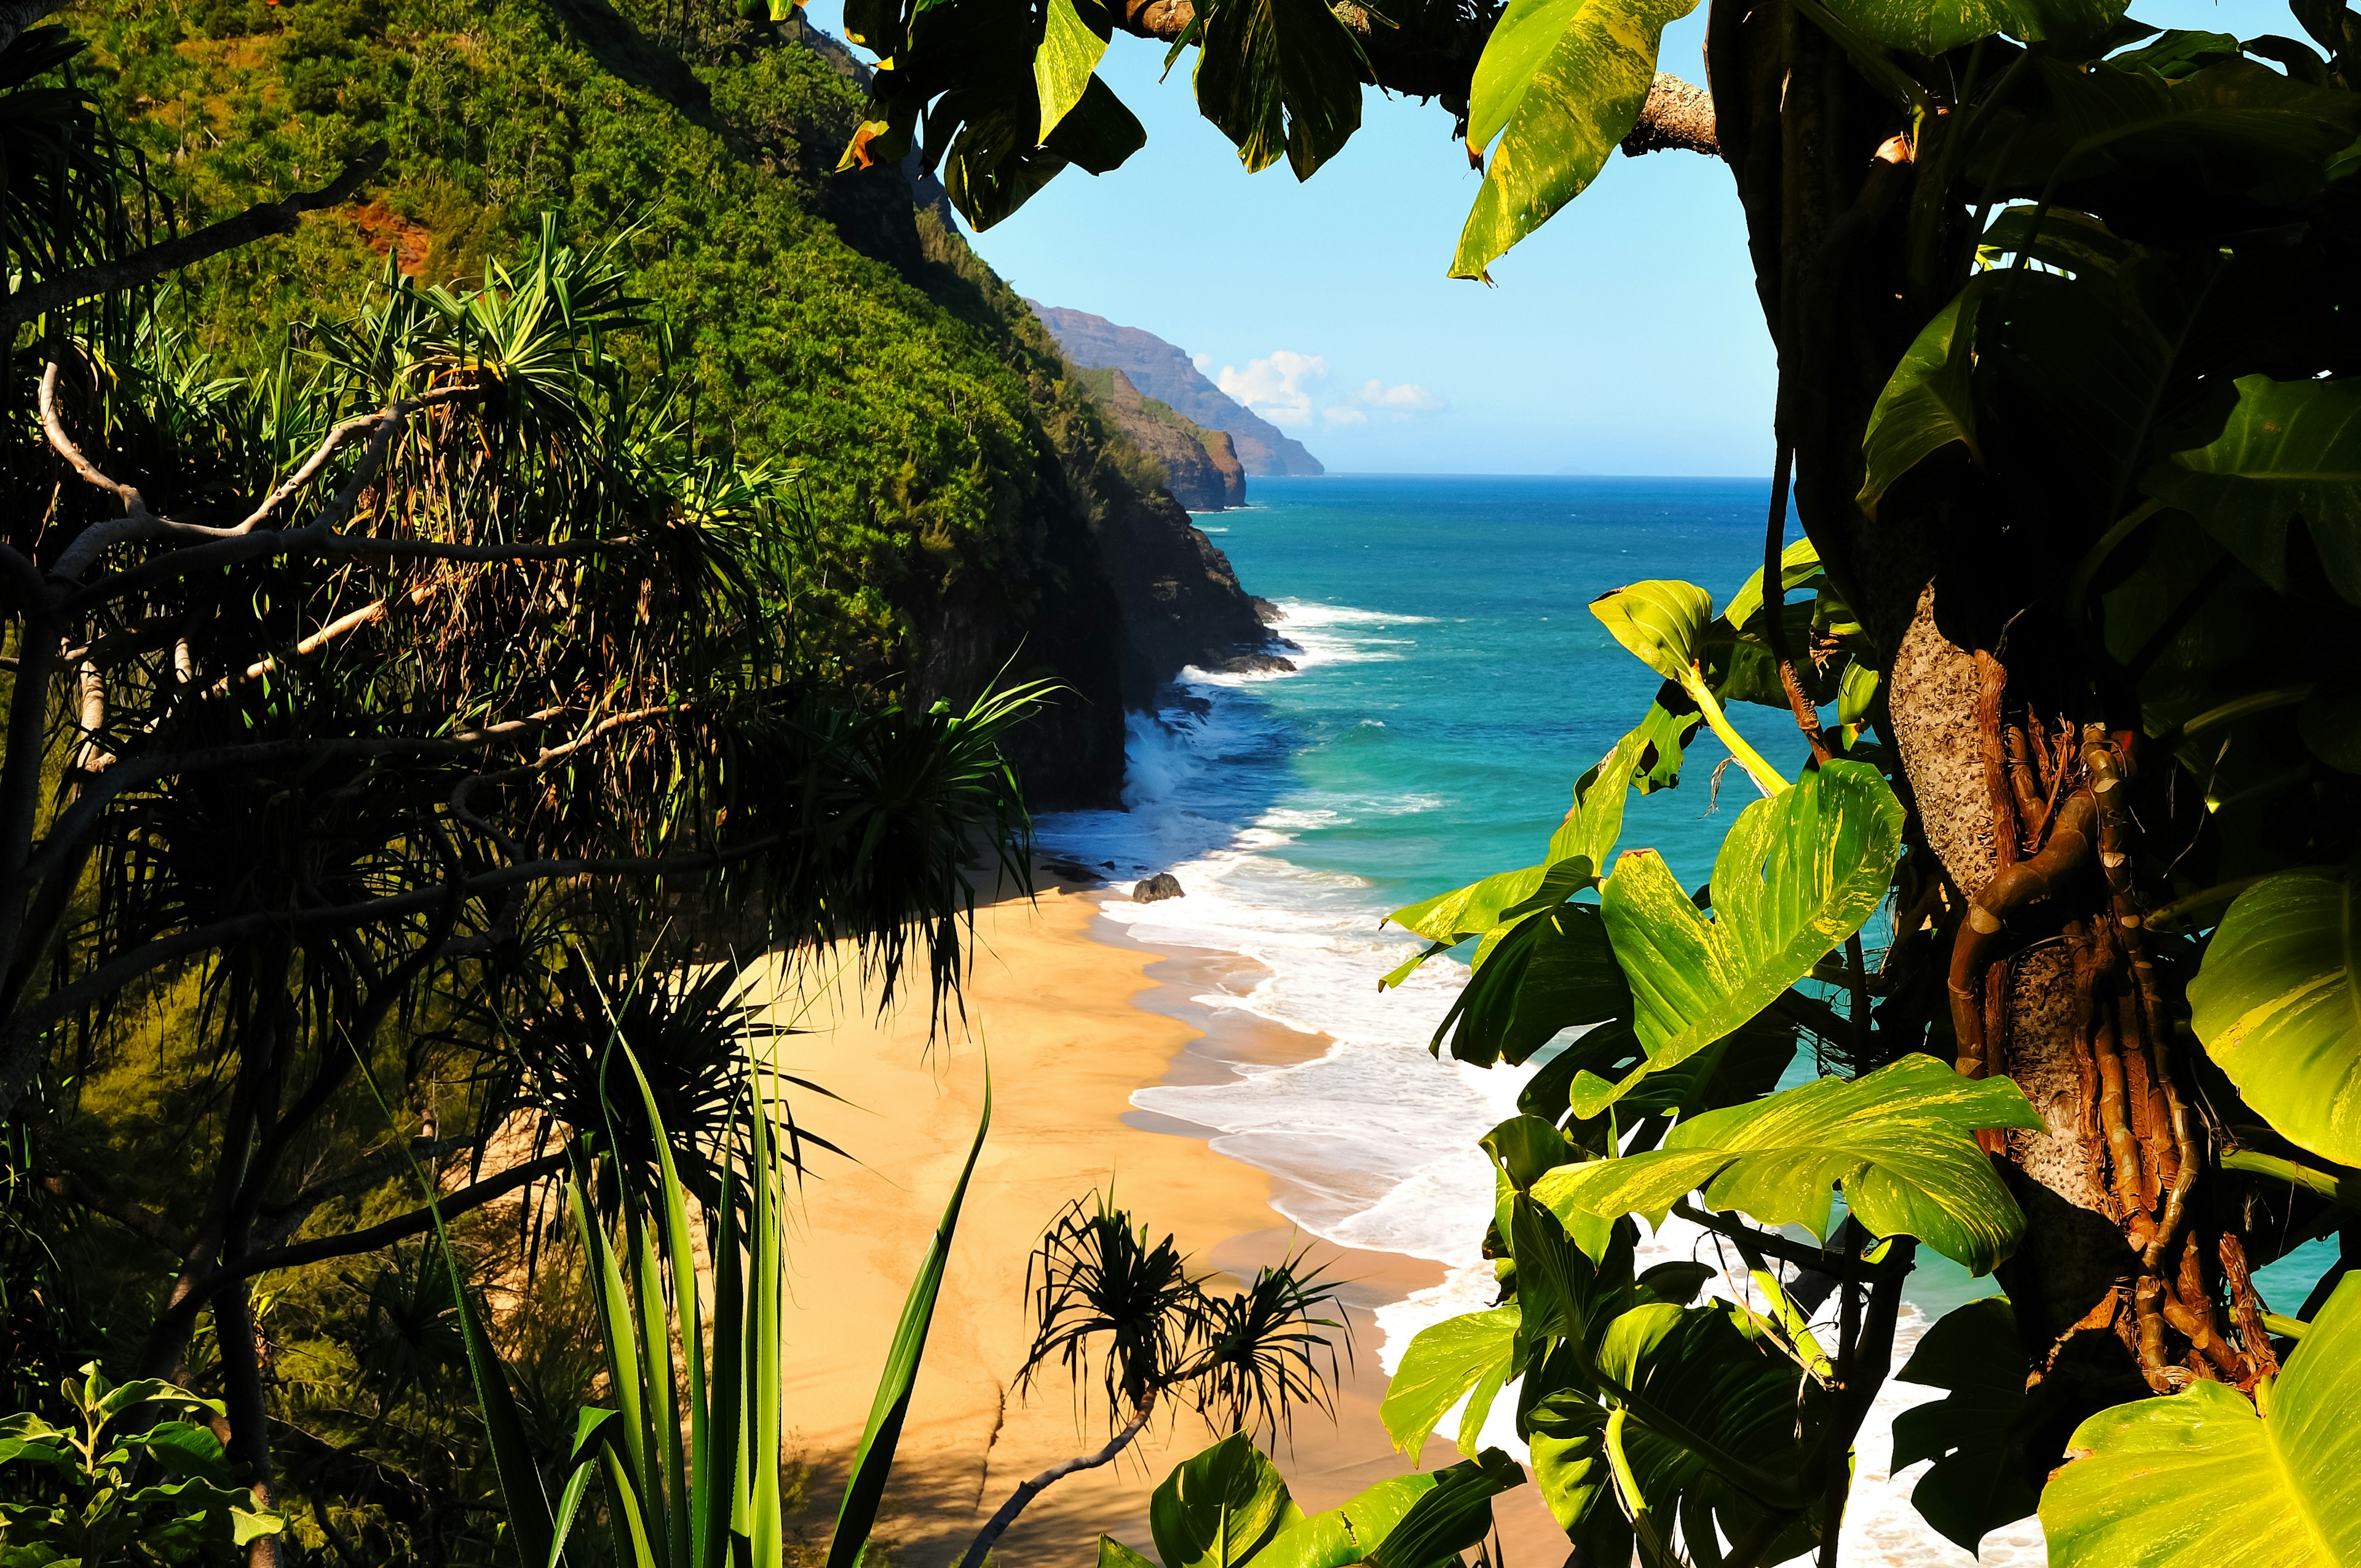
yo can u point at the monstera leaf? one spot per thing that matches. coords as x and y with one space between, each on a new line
2203 1479
1217 1509
2278 1003
1978 1435
1901 1143
1797 874
2291 450
1560 83
1227 1508
1278 76
1915 27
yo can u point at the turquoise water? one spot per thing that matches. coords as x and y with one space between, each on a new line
1453 685
1507 687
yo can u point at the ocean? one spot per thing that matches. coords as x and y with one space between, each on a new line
1450 687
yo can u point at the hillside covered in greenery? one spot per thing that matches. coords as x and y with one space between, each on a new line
966 494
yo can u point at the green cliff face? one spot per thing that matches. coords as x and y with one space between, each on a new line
965 490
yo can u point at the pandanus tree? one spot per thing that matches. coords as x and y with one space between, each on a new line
1114 1308
2060 894
412 671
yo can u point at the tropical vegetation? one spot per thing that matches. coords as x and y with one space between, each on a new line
2058 898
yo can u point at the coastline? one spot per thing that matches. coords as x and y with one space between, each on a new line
1077 1015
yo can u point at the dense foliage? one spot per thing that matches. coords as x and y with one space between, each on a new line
825 328
2061 899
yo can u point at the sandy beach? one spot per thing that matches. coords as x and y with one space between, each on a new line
1075 1017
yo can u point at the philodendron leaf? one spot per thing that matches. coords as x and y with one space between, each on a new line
1901 1143
1929 402
2202 1479
1660 621
2291 450
1978 1435
1218 1509
1469 1355
1561 83
1915 27
1797 874
2278 1003
1073 39
1595 821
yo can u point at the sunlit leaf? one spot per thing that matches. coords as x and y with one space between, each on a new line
1797 874
1901 1144
1561 83
2276 1002
2203 1479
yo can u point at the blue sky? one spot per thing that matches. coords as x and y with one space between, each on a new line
1623 338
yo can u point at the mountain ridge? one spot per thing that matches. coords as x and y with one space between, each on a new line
1162 371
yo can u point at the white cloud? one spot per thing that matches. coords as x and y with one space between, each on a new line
1204 362
1275 388
1286 390
1406 398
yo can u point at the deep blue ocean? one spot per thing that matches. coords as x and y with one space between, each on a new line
1451 685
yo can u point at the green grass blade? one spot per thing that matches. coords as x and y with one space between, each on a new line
631 1527
724 1455
687 1518
874 1461
622 1340
765 1264
662 1435
530 1524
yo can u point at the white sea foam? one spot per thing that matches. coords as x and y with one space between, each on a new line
1375 1139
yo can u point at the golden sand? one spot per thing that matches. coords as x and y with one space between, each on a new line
1059 1008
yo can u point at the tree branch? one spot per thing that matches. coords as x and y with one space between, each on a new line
400 1228
1677 116
1027 1491
148 265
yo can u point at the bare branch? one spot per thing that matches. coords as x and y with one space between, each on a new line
1677 116
56 431
148 265
147 1225
418 1222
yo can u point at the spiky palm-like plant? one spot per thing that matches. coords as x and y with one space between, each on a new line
1110 1306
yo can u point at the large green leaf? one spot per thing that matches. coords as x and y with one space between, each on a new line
1797 874
1662 622
1595 821
1449 1517
1708 1395
1568 1442
2202 1479
1073 37
1929 402
1553 972
2291 451
1977 1435
2278 1003
1901 1143
1917 26
1561 83
1471 1355
2250 125
1278 75
1219 1508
